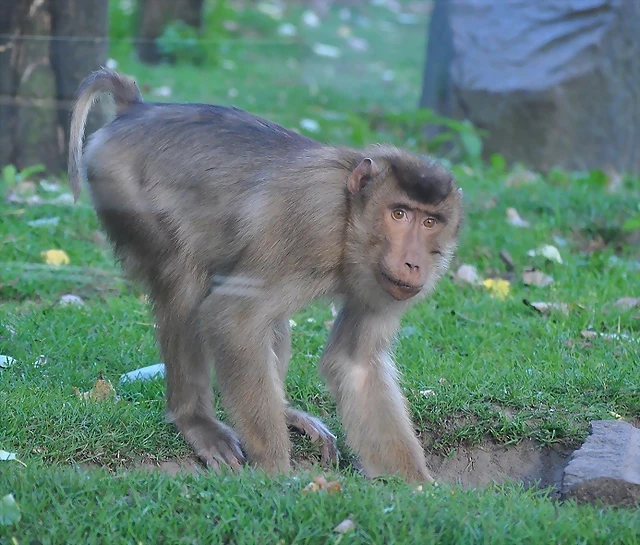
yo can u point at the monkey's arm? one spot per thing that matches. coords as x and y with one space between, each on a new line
363 380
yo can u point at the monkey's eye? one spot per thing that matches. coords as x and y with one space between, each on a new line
398 214
430 223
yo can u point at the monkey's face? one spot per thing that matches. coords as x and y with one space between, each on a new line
405 226
418 244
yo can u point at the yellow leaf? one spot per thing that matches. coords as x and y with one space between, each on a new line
498 287
56 257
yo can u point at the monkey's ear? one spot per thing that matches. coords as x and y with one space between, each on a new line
361 175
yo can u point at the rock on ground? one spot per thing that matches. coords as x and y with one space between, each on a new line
553 82
607 466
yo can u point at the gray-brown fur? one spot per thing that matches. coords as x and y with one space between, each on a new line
234 223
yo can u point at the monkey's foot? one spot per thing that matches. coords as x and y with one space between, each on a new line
215 443
313 428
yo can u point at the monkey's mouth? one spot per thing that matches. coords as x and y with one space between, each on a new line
398 289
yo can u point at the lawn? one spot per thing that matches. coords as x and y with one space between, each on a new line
476 366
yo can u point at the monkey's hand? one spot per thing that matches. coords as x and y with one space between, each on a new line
314 428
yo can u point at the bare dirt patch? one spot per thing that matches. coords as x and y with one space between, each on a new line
526 462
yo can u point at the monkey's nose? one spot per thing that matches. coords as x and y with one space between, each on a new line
412 268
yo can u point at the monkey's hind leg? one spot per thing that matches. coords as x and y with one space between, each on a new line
188 376
239 336
301 421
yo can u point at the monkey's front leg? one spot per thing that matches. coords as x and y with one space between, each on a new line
363 381
247 377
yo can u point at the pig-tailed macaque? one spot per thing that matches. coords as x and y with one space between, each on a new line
233 223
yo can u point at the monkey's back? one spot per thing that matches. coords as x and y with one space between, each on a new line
196 173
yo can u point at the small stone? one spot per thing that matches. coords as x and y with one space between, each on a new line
347 525
607 466
534 277
468 274
70 299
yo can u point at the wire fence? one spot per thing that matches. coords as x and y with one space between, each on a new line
136 40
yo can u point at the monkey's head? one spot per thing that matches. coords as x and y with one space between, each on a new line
406 216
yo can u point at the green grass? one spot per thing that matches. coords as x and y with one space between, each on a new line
473 366
96 507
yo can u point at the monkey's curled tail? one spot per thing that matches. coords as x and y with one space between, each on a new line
125 92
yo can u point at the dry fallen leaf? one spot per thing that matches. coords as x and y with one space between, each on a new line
332 487
285 29
491 203
359 44
164 91
506 258
55 257
320 483
627 303
614 178
40 361
468 273
534 277
590 334
310 125
497 287
311 19
546 308
514 218
520 177
325 50
548 252
101 391
347 525
70 299
344 31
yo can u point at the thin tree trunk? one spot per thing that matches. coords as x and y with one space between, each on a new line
435 86
10 13
36 126
30 86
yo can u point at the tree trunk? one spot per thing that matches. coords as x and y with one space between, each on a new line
86 22
29 132
10 13
436 93
153 17
40 68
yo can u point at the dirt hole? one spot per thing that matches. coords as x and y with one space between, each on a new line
526 462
